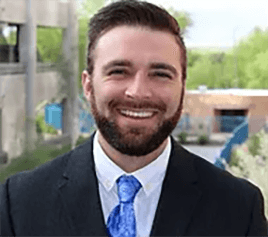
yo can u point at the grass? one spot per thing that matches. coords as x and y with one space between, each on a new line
30 160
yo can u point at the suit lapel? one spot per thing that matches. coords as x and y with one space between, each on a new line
179 195
79 193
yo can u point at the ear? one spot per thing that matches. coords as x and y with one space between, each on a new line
86 84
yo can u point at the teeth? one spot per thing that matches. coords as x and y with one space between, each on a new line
137 114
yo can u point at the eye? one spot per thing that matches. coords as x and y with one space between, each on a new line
162 74
117 72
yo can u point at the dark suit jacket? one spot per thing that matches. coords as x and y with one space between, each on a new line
61 198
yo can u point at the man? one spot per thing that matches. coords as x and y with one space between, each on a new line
131 178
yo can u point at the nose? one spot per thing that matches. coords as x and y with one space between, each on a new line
139 87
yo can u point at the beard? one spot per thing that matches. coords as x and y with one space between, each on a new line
134 141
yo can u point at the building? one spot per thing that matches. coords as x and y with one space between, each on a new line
25 80
221 110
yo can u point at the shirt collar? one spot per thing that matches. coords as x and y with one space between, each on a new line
150 176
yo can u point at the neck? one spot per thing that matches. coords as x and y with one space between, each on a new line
130 163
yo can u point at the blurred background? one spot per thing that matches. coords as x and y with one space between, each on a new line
43 112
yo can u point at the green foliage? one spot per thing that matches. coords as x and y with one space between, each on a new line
11 39
193 57
183 18
3 40
42 127
212 70
30 160
85 11
49 40
234 161
257 71
200 126
49 43
183 137
254 145
245 66
253 167
203 139
40 124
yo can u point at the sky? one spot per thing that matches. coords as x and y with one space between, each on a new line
220 23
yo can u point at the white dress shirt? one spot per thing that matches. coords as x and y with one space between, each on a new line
151 178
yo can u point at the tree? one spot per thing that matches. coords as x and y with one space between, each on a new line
3 40
215 70
248 59
49 43
244 66
193 57
257 71
183 18
85 11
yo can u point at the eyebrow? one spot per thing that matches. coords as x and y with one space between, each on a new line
115 63
127 63
164 66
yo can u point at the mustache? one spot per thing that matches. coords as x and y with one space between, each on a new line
138 104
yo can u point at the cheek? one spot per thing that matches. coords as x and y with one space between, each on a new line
106 92
172 100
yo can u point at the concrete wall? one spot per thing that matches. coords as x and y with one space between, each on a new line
49 13
258 114
13 107
204 105
28 85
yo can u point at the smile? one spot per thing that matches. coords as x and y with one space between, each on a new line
135 114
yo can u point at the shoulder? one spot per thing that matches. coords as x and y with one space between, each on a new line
45 177
210 174
220 182
236 202
38 181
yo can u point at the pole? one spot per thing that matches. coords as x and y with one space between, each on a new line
70 50
30 74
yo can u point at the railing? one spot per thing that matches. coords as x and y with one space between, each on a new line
240 135
209 125
194 125
229 123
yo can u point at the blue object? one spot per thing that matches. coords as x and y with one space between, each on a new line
184 123
53 115
86 121
121 221
240 135
230 123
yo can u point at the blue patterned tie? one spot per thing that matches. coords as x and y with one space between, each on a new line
121 222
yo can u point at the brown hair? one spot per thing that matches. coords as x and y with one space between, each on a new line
133 13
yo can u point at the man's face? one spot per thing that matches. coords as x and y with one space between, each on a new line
135 90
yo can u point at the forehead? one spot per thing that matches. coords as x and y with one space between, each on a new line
136 43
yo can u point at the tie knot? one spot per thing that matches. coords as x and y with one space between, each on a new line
128 187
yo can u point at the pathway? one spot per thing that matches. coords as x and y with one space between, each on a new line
206 152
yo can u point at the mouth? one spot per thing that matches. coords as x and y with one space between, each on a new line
141 114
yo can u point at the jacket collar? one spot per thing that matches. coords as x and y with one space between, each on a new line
179 195
177 201
79 193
